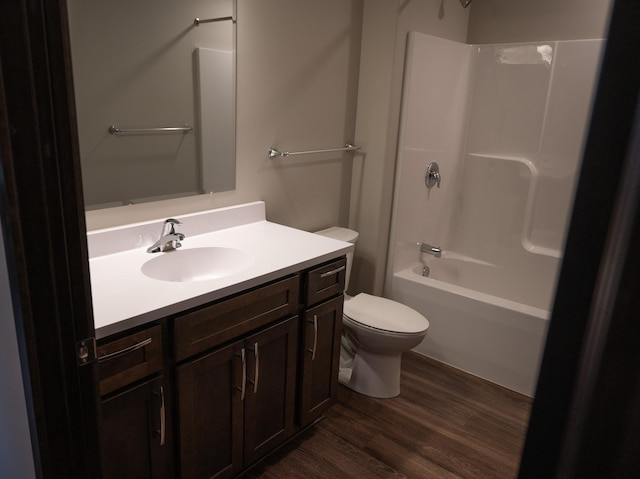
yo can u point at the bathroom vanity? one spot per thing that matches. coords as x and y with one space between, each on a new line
213 374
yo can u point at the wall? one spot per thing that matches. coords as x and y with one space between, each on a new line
499 21
16 459
297 67
386 24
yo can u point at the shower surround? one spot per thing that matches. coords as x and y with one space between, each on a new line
506 123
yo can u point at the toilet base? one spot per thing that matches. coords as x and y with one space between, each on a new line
374 375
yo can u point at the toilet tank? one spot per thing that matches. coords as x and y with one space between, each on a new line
342 234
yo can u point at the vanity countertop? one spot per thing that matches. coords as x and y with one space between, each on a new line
124 297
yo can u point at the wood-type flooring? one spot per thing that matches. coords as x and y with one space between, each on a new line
445 424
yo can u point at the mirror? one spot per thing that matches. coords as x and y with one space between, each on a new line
155 98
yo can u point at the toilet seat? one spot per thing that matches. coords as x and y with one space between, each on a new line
384 314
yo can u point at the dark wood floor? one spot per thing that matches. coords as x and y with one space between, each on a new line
445 424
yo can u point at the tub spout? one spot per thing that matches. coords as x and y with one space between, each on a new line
434 250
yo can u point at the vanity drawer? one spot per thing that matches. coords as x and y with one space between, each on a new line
213 325
326 281
126 360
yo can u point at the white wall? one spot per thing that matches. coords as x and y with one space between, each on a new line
297 66
16 459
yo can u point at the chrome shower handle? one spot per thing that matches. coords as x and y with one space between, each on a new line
432 176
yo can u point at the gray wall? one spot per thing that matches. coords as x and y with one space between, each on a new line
16 459
503 21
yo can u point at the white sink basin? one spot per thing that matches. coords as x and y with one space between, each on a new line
196 264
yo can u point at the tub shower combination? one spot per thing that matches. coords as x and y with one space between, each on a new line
476 246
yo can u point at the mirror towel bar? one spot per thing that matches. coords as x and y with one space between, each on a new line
273 153
141 131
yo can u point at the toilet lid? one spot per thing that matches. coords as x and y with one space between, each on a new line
385 314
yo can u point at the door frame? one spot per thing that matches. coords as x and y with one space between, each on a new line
43 224
585 420
44 229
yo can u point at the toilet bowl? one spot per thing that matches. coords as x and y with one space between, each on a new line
376 331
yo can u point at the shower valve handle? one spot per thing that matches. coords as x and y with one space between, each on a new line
432 177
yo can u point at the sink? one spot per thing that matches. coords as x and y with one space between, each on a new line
196 264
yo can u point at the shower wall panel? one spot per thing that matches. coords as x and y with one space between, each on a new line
432 129
506 123
570 98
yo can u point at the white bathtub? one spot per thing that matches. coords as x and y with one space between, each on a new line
507 135
497 339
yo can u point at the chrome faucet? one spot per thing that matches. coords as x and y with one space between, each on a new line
434 250
169 238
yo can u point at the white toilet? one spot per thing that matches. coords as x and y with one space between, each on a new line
376 331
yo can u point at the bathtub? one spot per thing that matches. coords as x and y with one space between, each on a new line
470 326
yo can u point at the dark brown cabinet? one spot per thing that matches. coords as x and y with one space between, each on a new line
320 359
136 435
212 390
211 413
237 403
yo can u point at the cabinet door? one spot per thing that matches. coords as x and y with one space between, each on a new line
210 409
271 388
320 359
135 435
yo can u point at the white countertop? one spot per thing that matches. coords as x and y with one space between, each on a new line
123 297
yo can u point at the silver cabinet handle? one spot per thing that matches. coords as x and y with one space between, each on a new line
315 337
243 389
257 372
332 272
141 344
162 431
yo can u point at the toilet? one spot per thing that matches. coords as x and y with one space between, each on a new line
375 333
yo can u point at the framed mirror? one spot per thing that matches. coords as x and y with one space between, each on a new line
155 98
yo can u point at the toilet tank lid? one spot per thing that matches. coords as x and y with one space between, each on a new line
339 233
385 314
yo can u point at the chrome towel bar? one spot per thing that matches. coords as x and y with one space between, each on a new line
273 153
141 131
197 21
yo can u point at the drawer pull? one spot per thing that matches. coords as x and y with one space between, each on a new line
315 337
141 344
243 389
332 272
162 431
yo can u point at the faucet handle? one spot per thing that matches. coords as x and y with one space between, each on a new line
432 176
169 224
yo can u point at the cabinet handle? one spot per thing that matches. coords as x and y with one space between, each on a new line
244 374
332 272
257 372
141 344
315 337
162 431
